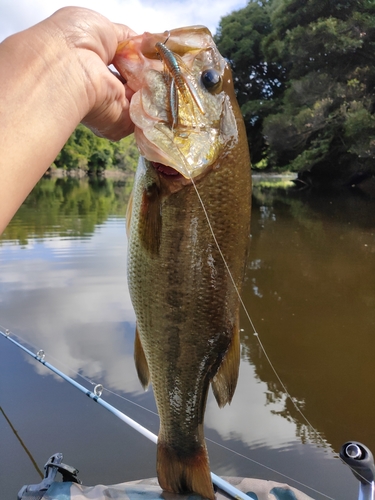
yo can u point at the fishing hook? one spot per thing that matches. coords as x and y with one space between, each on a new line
168 33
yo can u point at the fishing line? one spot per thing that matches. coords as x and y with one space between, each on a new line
317 434
132 402
6 333
37 348
256 334
224 485
271 469
95 395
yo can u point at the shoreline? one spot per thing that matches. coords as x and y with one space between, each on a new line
366 186
124 174
81 174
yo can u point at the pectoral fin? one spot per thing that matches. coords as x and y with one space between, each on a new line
129 211
141 361
225 381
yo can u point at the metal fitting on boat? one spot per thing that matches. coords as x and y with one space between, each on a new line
51 468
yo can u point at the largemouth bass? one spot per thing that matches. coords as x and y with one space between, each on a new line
191 136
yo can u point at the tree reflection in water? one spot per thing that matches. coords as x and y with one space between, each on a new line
68 207
310 291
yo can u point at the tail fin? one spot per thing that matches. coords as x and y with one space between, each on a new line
183 473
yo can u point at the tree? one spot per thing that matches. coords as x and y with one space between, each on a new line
92 154
326 117
318 118
258 82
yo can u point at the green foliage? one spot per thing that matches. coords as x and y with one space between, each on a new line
316 113
92 154
258 82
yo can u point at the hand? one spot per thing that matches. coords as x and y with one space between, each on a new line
92 40
53 76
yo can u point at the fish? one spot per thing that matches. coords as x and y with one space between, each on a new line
188 224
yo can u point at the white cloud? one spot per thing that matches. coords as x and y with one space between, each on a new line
70 298
140 15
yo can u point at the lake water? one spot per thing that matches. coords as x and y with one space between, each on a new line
311 296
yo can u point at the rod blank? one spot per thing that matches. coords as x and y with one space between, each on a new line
217 481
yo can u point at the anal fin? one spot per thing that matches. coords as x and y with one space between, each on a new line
141 361
225 380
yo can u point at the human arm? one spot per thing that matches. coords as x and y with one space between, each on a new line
54 76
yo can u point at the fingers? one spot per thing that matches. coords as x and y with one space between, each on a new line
123 32
114 122
115 130
87 29
92 41
110 117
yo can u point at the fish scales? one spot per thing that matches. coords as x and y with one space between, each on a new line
186 305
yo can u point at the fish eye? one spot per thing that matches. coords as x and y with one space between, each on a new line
211 79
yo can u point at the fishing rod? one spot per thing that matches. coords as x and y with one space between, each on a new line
96 396
356 455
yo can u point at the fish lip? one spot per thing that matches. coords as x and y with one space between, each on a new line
166 171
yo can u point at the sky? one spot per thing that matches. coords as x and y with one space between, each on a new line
140 15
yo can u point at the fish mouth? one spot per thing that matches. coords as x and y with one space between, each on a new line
166 171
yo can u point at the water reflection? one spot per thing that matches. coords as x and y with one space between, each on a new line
73 296
310 293
67 207
240 420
